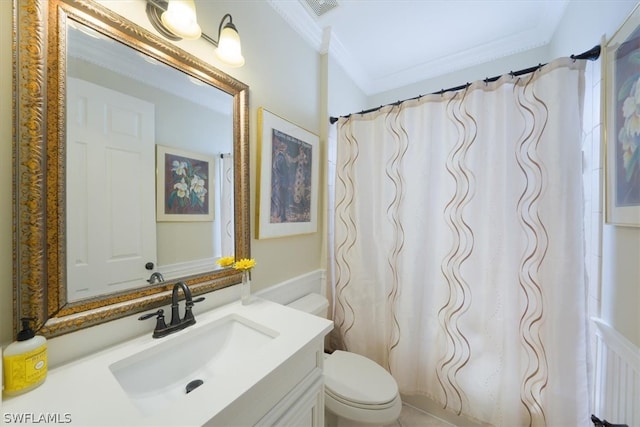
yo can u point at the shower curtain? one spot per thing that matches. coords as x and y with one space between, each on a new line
458 247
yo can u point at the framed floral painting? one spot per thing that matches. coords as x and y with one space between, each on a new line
287 178
184 185
621 96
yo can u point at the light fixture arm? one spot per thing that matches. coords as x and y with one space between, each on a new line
228 48
229 24
209 39
154 11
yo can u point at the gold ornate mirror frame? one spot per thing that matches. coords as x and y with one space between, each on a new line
39 165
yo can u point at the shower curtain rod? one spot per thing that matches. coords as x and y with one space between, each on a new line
591 54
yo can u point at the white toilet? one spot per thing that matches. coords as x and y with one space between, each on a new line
358 391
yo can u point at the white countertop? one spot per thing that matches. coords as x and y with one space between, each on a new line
86 393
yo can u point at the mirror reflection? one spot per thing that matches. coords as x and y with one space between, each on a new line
149 175
91 243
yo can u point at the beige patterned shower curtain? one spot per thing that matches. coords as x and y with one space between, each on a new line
458 257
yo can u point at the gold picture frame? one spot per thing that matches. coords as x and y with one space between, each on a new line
287 190
621 130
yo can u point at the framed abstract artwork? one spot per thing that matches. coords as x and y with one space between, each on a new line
184 185
287 189
621 102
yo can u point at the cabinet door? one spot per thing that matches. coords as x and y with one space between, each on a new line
303 407
308 411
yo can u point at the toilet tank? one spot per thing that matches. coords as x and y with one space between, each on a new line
311 303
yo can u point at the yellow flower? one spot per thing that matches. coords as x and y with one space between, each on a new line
225 261
245 264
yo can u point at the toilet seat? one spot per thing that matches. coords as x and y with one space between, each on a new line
354 379
359 389
344 401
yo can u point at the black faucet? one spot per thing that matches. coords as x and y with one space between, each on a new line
188 301
176 324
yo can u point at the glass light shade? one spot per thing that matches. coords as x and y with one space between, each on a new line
180 19
229 49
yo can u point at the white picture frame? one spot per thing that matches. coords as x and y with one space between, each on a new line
288 174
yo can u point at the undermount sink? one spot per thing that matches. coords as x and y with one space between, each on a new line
159 375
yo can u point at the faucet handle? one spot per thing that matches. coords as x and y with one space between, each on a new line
159 313
188 314
160 323
190 303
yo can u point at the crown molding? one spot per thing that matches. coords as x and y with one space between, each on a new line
325 41
298 18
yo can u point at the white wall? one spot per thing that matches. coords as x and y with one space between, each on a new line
615 252
585 22
617 297
343 94
581 28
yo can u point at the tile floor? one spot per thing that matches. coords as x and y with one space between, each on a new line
412 417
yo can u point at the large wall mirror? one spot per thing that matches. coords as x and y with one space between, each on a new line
130 168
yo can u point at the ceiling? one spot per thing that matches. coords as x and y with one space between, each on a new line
387 44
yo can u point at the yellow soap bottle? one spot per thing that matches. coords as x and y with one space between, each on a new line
24 361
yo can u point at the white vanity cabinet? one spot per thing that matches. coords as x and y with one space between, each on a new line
278 382
291 395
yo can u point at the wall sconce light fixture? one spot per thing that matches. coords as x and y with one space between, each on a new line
228 47
176 20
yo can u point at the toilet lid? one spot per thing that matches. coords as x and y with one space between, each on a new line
357 379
